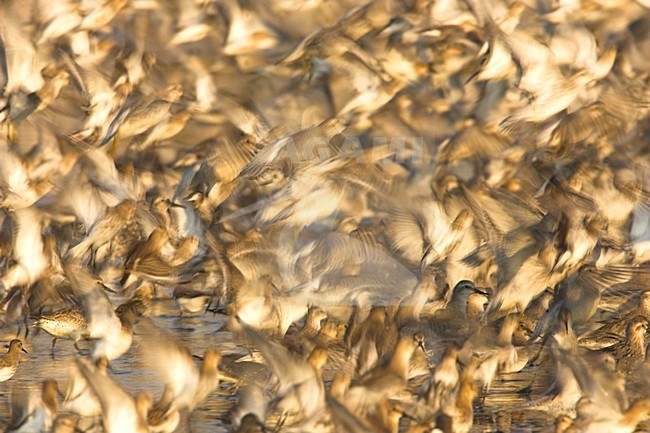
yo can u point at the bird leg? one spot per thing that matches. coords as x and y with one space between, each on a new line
539 352
20 328
53 344
26 326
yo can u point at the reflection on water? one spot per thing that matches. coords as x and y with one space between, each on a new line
499 412
200 332
197 332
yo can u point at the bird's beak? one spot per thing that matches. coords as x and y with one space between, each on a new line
482 292
23 349
108 289
421 346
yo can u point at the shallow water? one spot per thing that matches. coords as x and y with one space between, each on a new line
202 331
197 332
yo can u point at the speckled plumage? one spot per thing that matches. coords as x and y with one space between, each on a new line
9 361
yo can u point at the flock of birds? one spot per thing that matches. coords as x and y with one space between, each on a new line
395 205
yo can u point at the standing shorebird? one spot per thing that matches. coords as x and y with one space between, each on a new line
9 361
68 324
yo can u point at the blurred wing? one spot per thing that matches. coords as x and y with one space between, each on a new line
116 403
28 244
596 380
345 420
95 305
22 408
406 233
289 369
163 352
